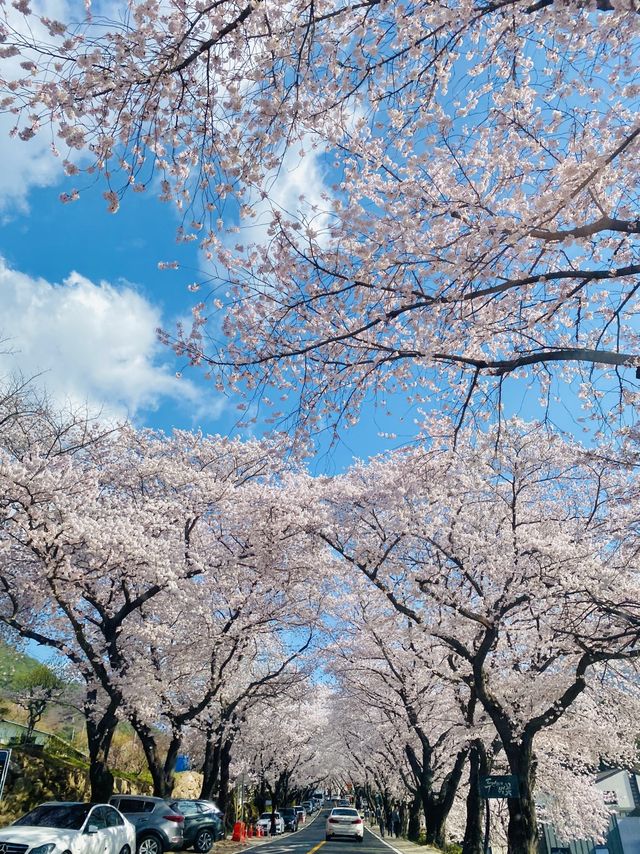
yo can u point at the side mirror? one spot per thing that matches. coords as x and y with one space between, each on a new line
92 828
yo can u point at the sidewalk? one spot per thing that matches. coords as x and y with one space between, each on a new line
402 845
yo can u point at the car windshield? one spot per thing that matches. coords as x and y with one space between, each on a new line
344 812
268 815
65 816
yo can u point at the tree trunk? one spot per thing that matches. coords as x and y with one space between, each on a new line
223 790
211 767
436 825
99 737
260 797
473 832
413 831
170 761
161 773
435 805
522 832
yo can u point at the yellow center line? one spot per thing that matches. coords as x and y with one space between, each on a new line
318 846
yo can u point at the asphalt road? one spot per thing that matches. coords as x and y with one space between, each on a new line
309 839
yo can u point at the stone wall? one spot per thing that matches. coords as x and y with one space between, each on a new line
33 778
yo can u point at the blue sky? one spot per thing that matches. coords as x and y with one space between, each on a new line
81 295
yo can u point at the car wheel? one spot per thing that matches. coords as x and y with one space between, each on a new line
328 837
149 845
204 841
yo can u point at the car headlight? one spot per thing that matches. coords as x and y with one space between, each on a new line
44 849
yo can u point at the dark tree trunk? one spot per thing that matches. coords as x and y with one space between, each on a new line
161 771
413 830
170 762
211 767
402 812
99 737
522 832
260 797
473 833
223 790
435 805
436 825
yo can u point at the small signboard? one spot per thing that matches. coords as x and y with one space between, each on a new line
5 756
499 786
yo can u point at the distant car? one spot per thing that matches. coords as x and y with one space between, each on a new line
159 827
203 823
290 818
264 822
302 815
308 807
343 802
345 821
79 828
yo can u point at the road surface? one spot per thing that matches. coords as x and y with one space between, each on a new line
309 839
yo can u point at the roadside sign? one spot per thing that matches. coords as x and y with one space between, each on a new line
499 786
5 756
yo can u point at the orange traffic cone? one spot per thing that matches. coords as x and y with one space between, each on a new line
238 832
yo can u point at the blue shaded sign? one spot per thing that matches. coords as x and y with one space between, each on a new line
499 786
183 763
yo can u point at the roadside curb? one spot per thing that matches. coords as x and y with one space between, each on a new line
406 845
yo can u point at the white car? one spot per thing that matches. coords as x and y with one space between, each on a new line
264 822
345 821
77 828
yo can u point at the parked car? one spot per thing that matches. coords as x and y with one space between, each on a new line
302 816
203 823
308 807
265 822
74 827
345 821
159 827
290 818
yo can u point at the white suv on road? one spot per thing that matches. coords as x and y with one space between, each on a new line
345 821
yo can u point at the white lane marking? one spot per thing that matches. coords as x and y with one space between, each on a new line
384 842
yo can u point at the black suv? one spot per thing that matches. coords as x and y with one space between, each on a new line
290 818
203 823
159 827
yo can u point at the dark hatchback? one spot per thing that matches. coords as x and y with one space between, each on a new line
203 823
290 818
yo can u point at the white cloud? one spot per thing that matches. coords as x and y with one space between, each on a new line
25 165
297 188
92 343
30 164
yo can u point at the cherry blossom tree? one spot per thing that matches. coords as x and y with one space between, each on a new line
389 663
267 670
283 745
91 540
513 552
476 209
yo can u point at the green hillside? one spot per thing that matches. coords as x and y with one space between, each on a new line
14 665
